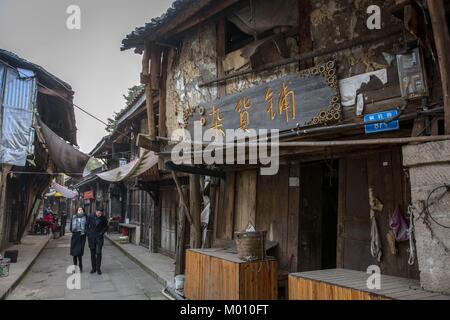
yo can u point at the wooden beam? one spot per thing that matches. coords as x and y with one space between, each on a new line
229 205
442 42
179 18
387 36
145 78
341 213
293 216
54 93
183 200
145 65
304 32
220 54
3 184
212 212
163 95
215 8
180 245
155 67
144 141
195 208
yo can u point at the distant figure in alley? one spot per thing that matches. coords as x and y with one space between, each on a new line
96 228
78 240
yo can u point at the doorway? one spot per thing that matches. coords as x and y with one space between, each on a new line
318 215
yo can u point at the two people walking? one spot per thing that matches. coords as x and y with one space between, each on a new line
94 228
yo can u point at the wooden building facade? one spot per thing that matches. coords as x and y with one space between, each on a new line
341 178
30 97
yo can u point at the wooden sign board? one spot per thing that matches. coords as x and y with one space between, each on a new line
308 98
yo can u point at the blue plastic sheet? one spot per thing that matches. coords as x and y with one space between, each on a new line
18 97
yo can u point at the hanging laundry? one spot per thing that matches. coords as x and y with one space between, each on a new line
399 226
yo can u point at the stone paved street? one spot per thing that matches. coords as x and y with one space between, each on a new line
121 279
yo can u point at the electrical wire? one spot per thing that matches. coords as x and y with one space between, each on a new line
427 204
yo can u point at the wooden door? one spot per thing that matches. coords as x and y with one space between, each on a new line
135 206
148 210
273 216
382 172
169 205
310 218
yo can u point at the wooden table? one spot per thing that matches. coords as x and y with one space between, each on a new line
343 284
217 274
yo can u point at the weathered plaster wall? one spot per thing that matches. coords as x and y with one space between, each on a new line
336 21
332 22
193 64
250 80
429 167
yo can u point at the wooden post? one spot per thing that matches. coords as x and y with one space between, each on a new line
182 197
220 54
293 215
304 32
229 205
442 42
145 79
195 208
212 212
181 243
163 95
3 183
341 213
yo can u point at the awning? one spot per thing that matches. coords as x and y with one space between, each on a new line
66 158
132 169
64 192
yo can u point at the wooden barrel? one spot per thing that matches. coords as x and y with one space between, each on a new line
251 245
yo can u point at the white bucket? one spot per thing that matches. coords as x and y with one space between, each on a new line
179 282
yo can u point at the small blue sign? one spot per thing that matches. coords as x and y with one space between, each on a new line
381 126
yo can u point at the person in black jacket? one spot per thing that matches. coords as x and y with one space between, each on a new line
63 223
96 227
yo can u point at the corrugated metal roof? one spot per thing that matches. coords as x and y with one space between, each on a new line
49 80
19 89
43 75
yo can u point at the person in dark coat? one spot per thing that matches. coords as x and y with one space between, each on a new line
78 240
63 223
96 226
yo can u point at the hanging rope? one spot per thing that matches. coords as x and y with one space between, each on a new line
412 248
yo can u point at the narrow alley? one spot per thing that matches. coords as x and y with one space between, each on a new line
122 279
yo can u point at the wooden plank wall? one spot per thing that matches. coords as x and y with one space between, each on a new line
211 278
245 200
304 289
268 203
273 212
169 204
382 171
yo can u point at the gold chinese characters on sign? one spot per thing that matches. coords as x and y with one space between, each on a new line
286 102
217 120
308 98
242 107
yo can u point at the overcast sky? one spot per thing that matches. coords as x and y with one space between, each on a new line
89 59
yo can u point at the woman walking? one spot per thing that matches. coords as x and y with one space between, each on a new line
78 240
